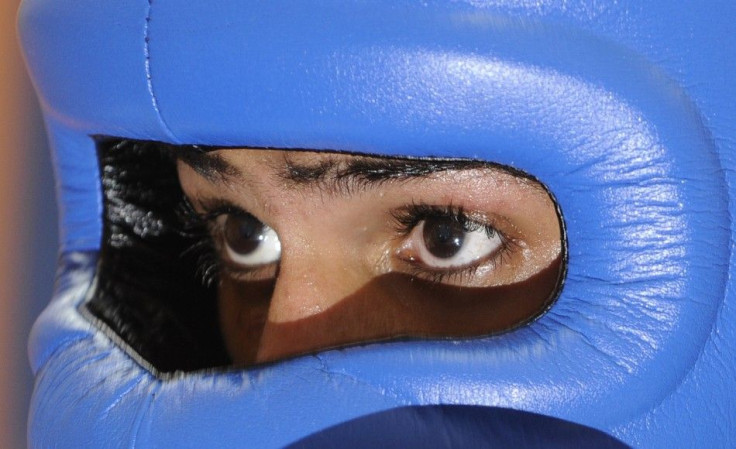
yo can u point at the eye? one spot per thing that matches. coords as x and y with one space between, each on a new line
451 241
247 241
447 242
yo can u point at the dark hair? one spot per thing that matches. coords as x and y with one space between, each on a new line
147 289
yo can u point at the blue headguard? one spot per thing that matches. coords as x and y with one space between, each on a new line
624 110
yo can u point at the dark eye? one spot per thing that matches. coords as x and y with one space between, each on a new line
445 242
247 241
443 236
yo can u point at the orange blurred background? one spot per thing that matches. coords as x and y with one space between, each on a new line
27 229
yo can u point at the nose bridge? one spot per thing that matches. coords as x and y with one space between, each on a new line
302 289
314 274
310 283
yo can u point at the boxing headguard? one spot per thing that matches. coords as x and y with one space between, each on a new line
624 110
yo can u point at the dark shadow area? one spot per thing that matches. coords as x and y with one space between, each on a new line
458 426
148 290
397 306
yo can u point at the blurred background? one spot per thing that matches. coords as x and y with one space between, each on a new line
28 233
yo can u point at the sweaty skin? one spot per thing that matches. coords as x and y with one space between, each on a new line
359 250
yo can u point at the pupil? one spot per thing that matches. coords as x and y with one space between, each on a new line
443 236
243 233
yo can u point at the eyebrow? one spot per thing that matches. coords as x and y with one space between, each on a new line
361 172
212 166
340 176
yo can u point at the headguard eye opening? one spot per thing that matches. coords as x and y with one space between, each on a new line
157 283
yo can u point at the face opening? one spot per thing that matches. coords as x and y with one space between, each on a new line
254 256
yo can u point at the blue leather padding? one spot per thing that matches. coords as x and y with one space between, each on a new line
89 66
625 111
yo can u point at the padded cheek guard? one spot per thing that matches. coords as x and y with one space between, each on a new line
639 343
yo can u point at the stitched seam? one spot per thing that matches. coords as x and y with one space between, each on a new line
149 77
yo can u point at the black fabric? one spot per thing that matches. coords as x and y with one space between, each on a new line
148 290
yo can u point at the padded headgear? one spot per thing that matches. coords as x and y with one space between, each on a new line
624 110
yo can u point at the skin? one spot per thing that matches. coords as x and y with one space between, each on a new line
349 273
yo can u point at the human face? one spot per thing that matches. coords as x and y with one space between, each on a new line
320 250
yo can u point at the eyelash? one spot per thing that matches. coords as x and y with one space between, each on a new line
408 218
202 228
204 231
